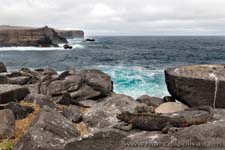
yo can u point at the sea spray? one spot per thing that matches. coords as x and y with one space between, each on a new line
76 44
216 88
136 81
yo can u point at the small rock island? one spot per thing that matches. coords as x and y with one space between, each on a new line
38 37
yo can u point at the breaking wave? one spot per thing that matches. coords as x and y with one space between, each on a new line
77 44
136 81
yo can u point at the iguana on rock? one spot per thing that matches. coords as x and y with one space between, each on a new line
153 122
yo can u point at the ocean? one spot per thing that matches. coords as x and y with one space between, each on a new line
136 64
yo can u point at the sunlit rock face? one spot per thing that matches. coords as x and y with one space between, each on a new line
197 84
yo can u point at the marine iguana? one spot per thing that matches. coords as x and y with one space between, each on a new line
154 122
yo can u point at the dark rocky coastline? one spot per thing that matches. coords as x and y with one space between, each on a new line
38 37
77 110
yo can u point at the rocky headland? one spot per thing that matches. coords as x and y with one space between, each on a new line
78 110
38 37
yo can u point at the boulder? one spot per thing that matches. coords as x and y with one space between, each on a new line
103 114
98 80
170 107
58 87
72 113
39 99
7 124
49 130
24 76
2 67
18 110
197 85
150 101
10 93
65 99
83 85
21 80
43 85
3 79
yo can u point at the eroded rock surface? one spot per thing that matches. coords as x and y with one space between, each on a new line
73 113
196 85
102 140
206 136
49 131
103 114
10 93
81 85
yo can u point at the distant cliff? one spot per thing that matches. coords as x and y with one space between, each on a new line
38 37
70 34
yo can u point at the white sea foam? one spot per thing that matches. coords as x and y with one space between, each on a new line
30 48
77 44
136 81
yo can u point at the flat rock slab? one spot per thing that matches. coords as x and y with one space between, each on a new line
10 93
21 80
208 136
102 140
49 130
197 85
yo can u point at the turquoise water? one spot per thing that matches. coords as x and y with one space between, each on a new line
136 64
136 81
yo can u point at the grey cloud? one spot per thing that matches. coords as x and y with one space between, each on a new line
120 17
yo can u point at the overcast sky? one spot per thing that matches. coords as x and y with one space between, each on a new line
120 17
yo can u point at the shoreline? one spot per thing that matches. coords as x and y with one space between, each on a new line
83 105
